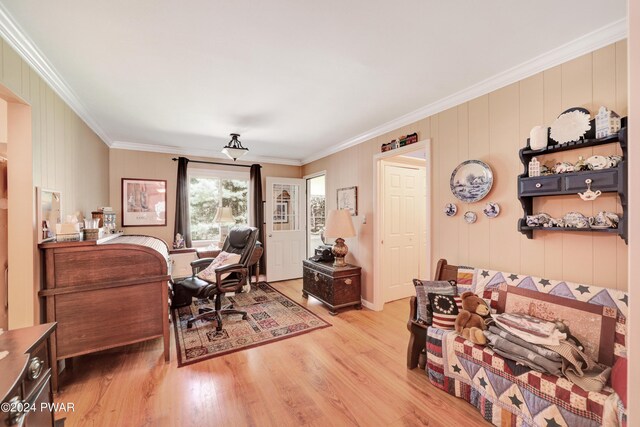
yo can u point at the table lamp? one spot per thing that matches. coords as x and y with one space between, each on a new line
224 217
339 225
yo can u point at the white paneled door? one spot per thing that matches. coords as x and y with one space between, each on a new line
285 215
403 236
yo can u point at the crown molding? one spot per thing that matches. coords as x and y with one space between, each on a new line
18 40
594 40
199 152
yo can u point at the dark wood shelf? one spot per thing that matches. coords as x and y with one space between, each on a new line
612 180
585 143
599 230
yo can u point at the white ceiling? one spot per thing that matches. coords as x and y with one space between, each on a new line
296 78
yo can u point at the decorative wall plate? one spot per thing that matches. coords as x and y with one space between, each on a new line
450 209
491 210
470 217
471 181
571 125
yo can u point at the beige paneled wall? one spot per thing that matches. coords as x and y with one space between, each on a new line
64 155
142 164
493 128
67 155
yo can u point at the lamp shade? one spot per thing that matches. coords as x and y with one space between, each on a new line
339 224
234 153
224 216
234 149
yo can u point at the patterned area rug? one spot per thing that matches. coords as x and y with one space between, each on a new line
271 317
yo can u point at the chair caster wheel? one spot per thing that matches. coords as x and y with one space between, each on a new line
189 325
230 307
245 317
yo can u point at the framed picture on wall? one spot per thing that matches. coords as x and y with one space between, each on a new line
348 199
144 202
49 213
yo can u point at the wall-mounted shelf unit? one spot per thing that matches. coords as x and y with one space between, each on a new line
612 180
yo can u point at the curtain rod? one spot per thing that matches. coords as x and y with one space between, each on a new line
175 159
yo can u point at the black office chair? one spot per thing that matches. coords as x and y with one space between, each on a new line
241 240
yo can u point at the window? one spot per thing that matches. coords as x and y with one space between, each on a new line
210 190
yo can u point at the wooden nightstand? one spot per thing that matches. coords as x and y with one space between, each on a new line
336 287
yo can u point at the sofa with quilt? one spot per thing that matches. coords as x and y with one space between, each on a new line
510 393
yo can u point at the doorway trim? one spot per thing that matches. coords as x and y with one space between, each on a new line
378 295
306 180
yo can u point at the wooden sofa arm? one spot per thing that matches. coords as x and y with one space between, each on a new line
418 337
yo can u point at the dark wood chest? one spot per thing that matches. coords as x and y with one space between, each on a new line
25 377
336 287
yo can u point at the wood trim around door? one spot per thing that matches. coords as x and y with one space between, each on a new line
378 301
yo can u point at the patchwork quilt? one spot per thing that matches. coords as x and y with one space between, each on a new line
507 393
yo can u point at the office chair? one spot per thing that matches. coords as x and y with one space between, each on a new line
242 241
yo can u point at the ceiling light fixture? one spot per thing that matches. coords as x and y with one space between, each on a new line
234 149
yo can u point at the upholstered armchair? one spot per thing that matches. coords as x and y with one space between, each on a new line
227 278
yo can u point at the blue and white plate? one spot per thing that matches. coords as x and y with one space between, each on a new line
450 209
491 210
471 181
470 217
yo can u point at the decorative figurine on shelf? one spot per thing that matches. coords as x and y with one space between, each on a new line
607 122
604 220
178 242
580 165
563 167
589 195
534 167
538 137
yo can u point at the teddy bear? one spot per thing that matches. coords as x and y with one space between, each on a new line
470 321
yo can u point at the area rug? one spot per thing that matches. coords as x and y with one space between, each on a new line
271 317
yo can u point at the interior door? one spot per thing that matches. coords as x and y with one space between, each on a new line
402 230
286 228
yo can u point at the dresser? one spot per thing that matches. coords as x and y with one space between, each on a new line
25 381
336 287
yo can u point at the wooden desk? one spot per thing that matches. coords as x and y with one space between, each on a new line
26 376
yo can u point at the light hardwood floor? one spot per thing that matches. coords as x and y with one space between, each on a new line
352 373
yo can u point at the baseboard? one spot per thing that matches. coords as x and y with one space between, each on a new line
369 305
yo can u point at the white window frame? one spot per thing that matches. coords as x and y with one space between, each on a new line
223 174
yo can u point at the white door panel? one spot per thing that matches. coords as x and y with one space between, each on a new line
286 228
402 231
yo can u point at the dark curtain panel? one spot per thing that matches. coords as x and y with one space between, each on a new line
182 224
257 211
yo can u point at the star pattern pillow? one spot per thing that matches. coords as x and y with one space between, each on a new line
444 310
423 287
224 258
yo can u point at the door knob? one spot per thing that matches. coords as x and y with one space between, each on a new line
270 235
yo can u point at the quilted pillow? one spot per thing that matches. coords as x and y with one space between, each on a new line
465 279
444 310
423 287
224 258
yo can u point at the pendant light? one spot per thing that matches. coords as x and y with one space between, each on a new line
234 149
